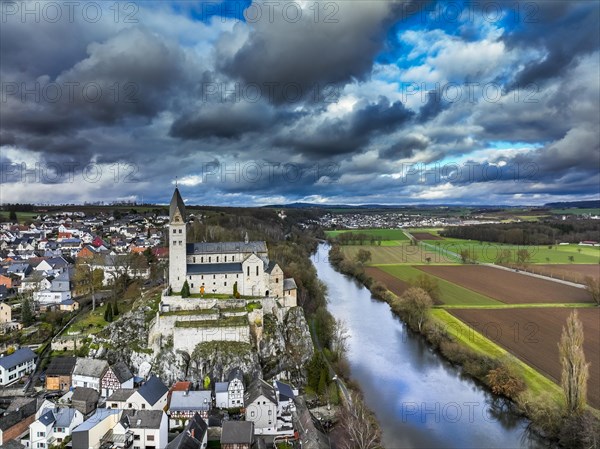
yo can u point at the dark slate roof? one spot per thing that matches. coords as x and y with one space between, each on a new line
240 432
214 268
142 419
90 367
285 391
289 284
122 371
153 390
61 366
85 394
226 247
12 444
235 373
257 388
270 266
120 395
16 358
221 387
15 417
176 203
47 418
192 435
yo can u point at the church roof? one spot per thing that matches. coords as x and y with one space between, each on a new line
176 204
227 247
214 268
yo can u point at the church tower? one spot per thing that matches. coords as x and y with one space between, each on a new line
177 242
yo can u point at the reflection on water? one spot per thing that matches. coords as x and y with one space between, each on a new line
421 401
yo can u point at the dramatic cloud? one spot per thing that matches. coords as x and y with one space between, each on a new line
256 102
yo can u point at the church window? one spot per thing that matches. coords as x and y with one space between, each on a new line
257 270
202 260
174 231
225 284
209 259
217 259
224 258
214 276
181 231
248 270
225 276
194 259
202 277
192 285
277 280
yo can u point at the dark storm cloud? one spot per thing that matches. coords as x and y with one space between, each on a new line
565 30
338 136
334 48
404 147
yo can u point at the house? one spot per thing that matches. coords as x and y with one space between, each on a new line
152 395
60 290
19 270
88 372
5 313
59 372
194 436
53 426
6 281
16 421
119 399
98 427
237 435
85 400
149 428
185 404
115 377
235 389
285 397
68 305
261 406
222 394
16 365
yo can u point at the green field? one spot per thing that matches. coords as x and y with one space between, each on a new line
450 294
21 216
383 234
576 211
487 252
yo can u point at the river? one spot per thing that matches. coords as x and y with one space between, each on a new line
420 400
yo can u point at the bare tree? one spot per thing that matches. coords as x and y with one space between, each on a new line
593 287
339 340
360 430
574 368
417 303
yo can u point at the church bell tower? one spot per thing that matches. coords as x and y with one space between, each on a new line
177 242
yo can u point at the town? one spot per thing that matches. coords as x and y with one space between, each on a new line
79 370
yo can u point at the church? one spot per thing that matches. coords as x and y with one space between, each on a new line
216 267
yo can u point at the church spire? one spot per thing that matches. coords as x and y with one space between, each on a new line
246 238
176 206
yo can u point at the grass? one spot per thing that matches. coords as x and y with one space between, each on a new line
536 382
21 216
190 312
233 321
91 322
576 305
487 252
450 294
383 234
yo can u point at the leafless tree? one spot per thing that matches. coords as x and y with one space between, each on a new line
593 287
360 430
575 370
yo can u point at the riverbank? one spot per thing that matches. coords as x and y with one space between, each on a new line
531 394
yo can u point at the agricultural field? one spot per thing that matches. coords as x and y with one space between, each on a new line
404 253
488 252
383 234
391 282
21 216
573 272
450 293
426 236
533 336
507 286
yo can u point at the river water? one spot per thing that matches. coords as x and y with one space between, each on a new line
420 400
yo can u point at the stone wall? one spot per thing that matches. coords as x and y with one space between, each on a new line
186 338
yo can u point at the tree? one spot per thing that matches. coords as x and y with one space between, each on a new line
206 382
12 216
235 289
523 256
429 284
185 290
503 381
27 312
575 370
417 303
363 256
108 313
322 387
571 259
467 256
115 308
339 339
593 287
359 429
